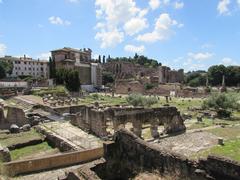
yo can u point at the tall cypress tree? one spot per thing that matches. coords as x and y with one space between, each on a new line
103 59
99 58
50 68
53 68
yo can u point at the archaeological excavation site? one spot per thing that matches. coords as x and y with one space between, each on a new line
76 140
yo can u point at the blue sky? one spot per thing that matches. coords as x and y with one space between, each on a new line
179 33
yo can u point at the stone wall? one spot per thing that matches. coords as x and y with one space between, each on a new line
130 155
4 154
50 162
95 119
56 141
15 115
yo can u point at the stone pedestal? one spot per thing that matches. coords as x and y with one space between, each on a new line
137 127
154 129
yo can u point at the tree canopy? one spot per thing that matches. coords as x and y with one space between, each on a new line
215 74
141 60
69 78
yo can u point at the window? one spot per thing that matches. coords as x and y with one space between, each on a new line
29 68
25 62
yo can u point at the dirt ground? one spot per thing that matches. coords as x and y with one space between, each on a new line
188 143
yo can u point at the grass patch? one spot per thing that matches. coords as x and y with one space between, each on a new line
11 139
230 150
103 100
205 123
58 90
30 150
227 132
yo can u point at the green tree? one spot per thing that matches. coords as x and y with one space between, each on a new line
140 100
50 63
2 72
215 74
53 67
107 78
99 58
223 103
104 59
5 68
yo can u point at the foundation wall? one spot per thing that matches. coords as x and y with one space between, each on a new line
130 154
50 162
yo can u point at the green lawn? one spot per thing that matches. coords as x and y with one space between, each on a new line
31 150
205 123
11 139
228 133
231 149
103 100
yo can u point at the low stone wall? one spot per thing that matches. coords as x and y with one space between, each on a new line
130 154
15 115
50 162
29 143
4 154
55 140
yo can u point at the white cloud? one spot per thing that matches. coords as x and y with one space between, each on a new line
223 7
3 49
44 56
115 17
154 4
200 56
178 5
135 25
1 1
110 38
161 31
238 2
228 61
134 49
58 21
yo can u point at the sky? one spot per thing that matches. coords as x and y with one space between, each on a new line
188 34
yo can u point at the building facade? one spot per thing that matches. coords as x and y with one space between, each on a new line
90 72
25 66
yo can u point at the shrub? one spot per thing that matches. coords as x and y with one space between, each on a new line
140 100
58 91
223 103
95 96
148 86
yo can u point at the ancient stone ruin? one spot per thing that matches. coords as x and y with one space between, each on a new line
129 155
95 120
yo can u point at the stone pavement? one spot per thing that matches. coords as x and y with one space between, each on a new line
73 135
